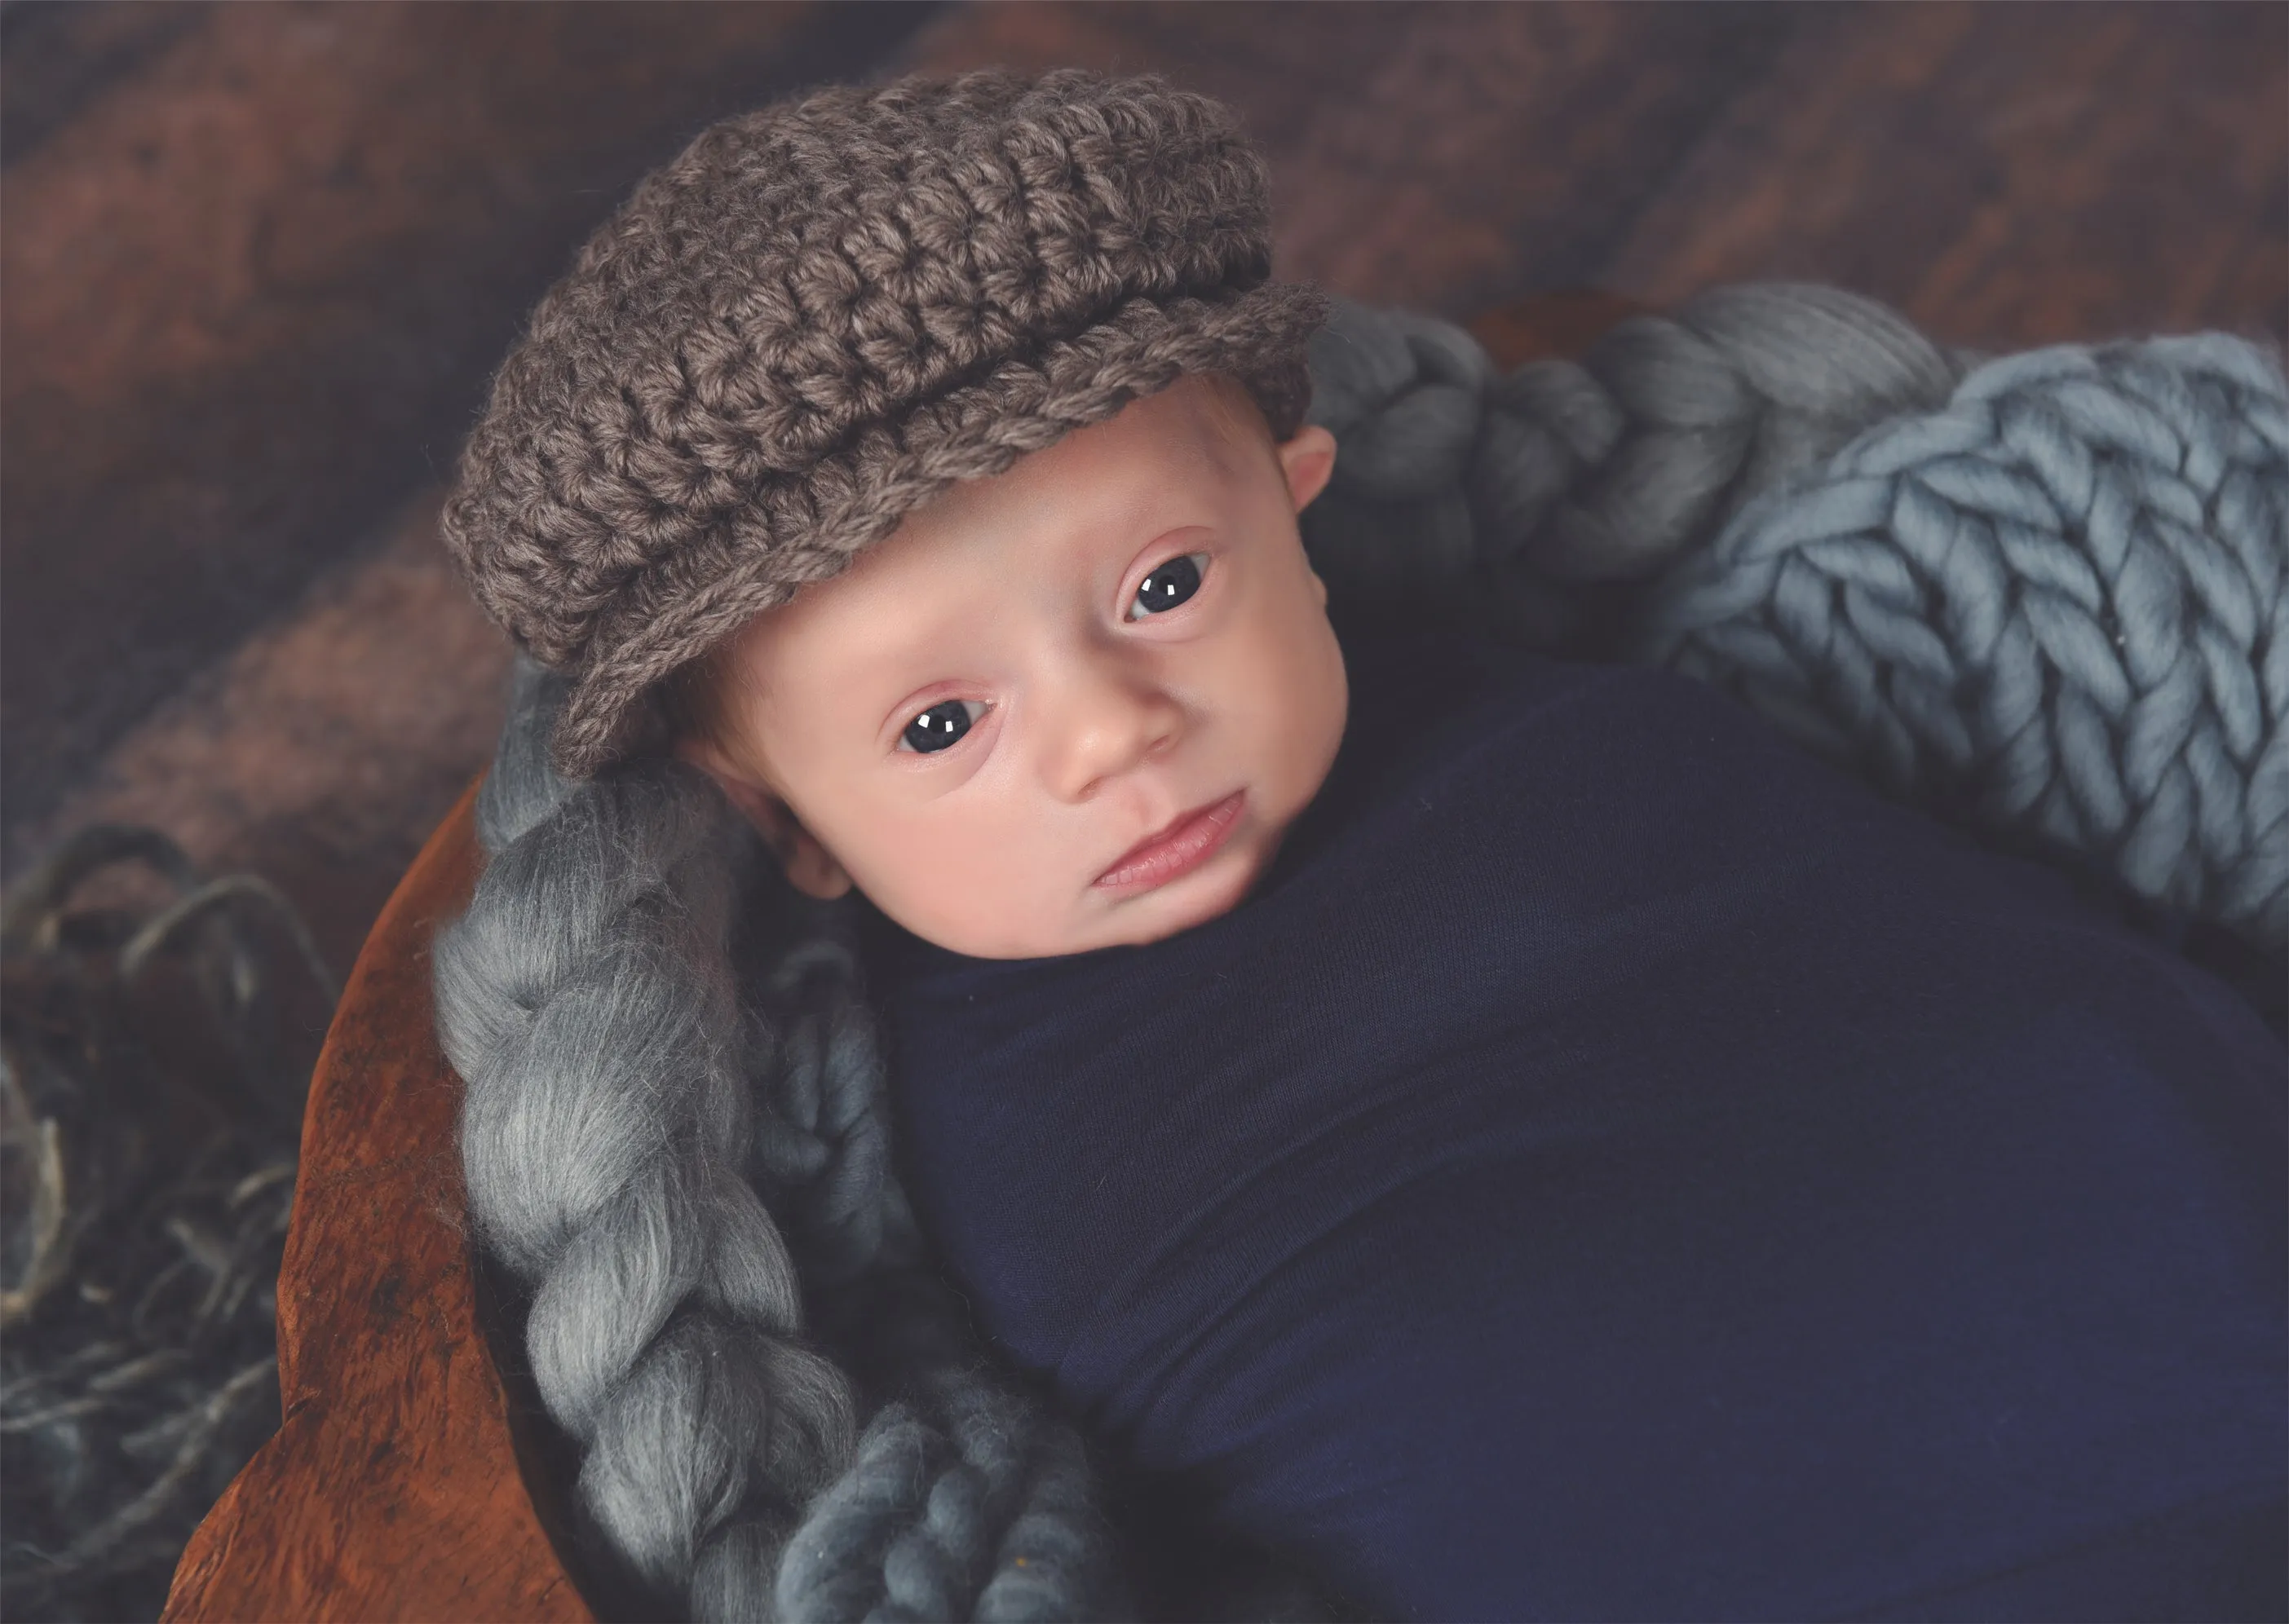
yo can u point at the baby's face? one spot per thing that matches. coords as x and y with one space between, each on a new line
980 720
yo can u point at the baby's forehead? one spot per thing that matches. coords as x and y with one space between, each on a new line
1167 460
1207 412
1223 405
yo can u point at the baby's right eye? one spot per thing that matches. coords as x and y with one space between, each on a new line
939 726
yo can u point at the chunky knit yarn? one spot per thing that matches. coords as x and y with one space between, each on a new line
2060 603
2050 597
822 314
1532 500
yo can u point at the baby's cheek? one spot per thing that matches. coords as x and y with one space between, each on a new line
1303 728
995 893
911 871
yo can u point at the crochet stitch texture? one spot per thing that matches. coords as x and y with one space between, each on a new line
822 314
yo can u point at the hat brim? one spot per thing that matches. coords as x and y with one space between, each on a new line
802 529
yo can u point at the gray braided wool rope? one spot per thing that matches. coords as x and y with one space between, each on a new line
674 1130
625 1115
1519 496
554 1010
2062 601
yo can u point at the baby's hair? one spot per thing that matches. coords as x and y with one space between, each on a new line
695 701
1237 412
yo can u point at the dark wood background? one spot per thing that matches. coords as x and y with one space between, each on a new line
258 262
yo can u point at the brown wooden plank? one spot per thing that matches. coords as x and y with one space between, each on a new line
392 1489
2006 175
57 58
1563 323
256 281
322 753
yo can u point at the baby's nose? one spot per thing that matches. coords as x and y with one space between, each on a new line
1107 723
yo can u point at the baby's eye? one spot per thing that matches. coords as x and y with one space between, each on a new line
1168 586
939 726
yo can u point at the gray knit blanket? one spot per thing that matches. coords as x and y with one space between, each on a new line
2045 596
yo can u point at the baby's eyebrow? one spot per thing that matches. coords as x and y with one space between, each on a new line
934 633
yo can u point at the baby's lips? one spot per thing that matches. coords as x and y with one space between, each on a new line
1184 845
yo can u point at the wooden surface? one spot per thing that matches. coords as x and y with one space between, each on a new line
392 1489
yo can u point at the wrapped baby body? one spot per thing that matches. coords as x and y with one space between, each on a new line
1615 1166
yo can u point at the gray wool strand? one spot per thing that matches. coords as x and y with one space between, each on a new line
586 1000
2060 603
979 1509
673 1136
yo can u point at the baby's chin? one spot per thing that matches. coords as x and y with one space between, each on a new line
1208 892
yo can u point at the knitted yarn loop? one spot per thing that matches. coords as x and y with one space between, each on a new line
2060 603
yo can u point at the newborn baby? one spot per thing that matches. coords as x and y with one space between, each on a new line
1517 1137
1578 1156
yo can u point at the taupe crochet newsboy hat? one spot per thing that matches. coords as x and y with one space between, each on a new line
821 315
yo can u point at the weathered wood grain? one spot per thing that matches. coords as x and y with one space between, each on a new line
57 58
324 750
392 1490
2009 175
2006 175
1562 323
256 280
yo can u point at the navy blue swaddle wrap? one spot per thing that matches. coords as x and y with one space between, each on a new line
1615 1166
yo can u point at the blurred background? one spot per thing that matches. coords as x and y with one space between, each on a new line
257 263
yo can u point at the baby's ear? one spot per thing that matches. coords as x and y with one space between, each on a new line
1309 461
808 866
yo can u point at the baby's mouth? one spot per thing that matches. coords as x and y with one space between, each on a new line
1178 850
